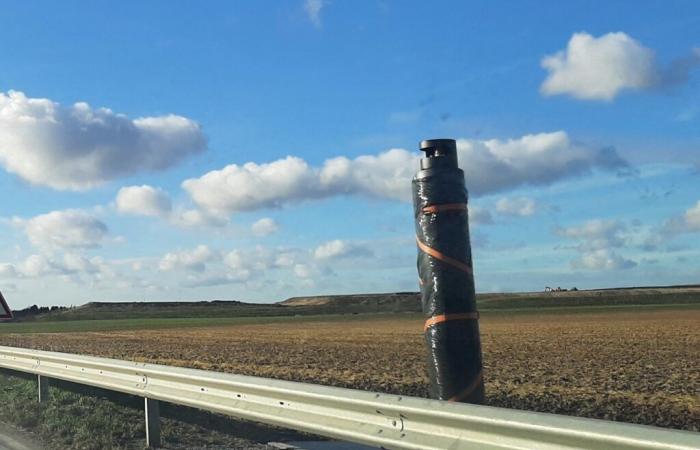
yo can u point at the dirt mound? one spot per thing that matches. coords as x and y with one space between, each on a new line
410 300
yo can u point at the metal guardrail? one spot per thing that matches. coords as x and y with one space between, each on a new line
389 421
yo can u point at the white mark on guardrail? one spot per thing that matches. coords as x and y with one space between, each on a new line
144 380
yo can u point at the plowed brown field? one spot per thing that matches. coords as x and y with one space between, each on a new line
641 367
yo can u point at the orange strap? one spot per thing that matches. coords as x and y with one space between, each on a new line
444 258
471 388
446 207
446 317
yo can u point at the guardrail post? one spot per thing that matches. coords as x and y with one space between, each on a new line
43 385
445 275
152 413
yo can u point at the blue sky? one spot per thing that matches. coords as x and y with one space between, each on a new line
262 150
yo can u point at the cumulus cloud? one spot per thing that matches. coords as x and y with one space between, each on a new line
143 200
688 222
253 266
197 218
68 229
76 267
313 8
519 206
600 68
244 266
337 248
490 166
259 258
598 240
36 266
603 259
151 201
596 234
692 217
78 147
386 175
74 263
535 159
303 271
253 186
264 227
193 260
216 280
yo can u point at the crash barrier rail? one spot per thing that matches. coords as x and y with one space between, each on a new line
382 420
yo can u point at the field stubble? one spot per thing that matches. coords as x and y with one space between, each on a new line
640 367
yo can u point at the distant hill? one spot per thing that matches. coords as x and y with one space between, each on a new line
341 304
590 298
398 302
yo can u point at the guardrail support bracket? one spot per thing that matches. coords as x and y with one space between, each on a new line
152 413
43 384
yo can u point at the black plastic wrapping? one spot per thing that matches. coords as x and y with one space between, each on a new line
447 283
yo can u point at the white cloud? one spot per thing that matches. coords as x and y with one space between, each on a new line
235 260
534 159
259 265
36 266
68 229
340 249
490 166
151 201
519 206
264 227
194 260
688 222
77 268
599 68
597 233
243 266
692 217
80 264
598 240
143 200
257 259
217 280
78 147
312 8
253 186
197 218
386 175
285 259
303 271
603 259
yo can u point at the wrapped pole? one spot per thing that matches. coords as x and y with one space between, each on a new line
445 275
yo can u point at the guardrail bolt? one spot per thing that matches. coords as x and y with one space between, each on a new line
445 275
